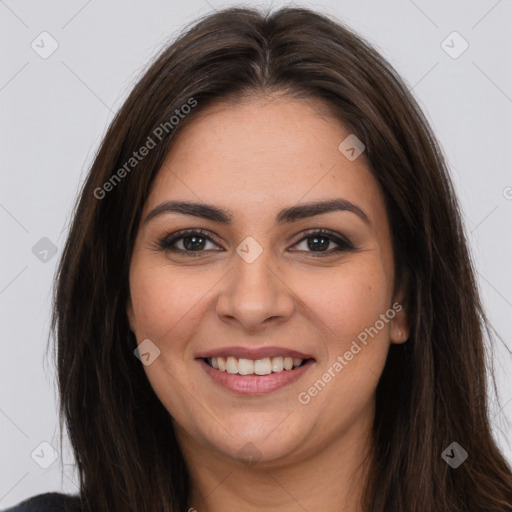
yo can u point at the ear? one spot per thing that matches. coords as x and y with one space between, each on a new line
400 323
130 314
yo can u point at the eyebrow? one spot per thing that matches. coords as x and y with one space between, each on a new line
287 215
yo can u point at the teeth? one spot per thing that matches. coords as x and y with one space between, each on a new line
277 364
245 366
264 366
231 365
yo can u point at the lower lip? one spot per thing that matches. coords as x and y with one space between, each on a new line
255 384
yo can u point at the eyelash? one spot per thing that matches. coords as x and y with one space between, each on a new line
167 242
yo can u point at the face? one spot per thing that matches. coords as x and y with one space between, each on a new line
260 276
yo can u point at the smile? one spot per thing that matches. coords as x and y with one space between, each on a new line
265 366
274 373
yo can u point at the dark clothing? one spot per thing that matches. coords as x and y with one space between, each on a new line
48 502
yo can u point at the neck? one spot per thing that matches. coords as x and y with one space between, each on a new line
331 478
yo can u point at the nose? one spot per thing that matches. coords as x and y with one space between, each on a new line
255 295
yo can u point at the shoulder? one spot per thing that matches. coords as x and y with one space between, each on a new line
48 502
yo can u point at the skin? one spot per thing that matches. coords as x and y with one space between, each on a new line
253 159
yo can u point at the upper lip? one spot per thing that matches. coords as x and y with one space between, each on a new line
253 353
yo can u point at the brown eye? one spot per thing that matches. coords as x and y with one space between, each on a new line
187 241
324 242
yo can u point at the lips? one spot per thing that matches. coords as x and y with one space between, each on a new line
252 385
254 371
253 353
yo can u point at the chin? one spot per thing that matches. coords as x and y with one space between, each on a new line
262 445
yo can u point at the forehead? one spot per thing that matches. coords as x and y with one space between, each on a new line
261 154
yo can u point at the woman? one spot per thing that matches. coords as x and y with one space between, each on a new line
266 300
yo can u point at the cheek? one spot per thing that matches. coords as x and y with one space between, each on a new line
168 308
356 340
350 304
165 301
347 300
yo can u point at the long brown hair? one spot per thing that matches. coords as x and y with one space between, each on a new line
433 388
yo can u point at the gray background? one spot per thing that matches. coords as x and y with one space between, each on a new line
56 110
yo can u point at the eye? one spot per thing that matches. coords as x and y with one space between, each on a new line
192 242
319 241
187 242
